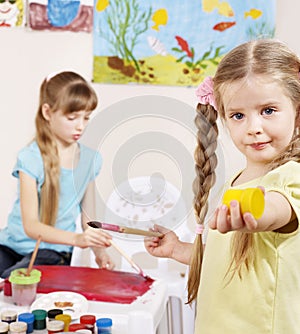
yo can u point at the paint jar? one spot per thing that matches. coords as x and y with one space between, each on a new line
9 316
104 325
18 327
53 313
89 321
29 319
250 199
4 327
66 318
55 326
23 286
39 319
76 327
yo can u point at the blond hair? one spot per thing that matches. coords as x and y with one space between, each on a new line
261 57
67 92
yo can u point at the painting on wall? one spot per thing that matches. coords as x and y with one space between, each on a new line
174 42
71 15
12 13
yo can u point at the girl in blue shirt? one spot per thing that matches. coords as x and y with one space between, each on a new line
56 182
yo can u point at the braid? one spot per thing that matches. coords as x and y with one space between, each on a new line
206 163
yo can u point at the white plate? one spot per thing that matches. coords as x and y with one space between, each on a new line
47 302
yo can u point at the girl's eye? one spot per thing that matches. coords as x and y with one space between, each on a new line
268 111
71 118
237 116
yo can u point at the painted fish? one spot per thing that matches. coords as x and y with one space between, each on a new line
223 8
184 46
157 46
160 17
223 26
101 5
254 13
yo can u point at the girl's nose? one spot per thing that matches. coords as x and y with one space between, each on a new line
254 125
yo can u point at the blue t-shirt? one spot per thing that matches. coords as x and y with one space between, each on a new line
73 184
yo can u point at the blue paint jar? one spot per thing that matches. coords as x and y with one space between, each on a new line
104 325
29 319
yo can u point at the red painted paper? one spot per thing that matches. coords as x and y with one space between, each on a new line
95 284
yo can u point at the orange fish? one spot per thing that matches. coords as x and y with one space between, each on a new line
223 26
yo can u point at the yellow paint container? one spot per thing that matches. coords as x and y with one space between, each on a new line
250 199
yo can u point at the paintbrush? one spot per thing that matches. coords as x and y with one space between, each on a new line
131 262
124 229
33 256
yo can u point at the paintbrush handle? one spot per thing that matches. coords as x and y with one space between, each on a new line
33 256
137 231
127 257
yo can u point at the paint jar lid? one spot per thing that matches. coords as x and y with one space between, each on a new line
3 327
54 312
66 318
9 315
104 322
26 317
18 326
76 327
55 325
39 314
88 319
18 276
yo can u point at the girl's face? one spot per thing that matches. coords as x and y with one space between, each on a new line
68 128
260 118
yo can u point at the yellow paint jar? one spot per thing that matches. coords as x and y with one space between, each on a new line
250 199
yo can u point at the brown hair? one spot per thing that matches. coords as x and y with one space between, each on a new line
67 92
262 57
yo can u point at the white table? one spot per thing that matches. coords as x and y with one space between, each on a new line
145 314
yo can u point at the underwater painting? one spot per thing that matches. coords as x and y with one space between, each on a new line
70 15
174 42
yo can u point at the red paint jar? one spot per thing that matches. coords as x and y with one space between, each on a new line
89 321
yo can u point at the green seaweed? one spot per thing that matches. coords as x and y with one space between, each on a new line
126 22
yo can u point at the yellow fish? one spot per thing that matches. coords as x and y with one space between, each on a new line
254 13
160 17
101 5
223 8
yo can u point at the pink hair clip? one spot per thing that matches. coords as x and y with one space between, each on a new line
205 92
199 229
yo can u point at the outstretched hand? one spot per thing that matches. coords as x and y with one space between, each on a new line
161 247
225 220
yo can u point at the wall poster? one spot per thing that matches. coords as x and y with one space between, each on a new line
174 42
70 15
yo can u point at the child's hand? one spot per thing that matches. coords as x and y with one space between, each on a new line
102 259
225 220
161 247
92 237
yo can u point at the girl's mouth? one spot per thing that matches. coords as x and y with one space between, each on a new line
259 146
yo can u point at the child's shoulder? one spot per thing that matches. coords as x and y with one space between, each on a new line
32 149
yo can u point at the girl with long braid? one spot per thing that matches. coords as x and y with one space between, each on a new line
248 279
56 182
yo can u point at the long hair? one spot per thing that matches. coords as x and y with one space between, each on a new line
67 92
260 57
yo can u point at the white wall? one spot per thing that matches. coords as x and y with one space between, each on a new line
26 57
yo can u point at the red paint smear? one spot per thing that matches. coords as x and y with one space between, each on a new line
95 284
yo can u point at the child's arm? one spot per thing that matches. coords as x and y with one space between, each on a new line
88 213
33 227
278 215
169 246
